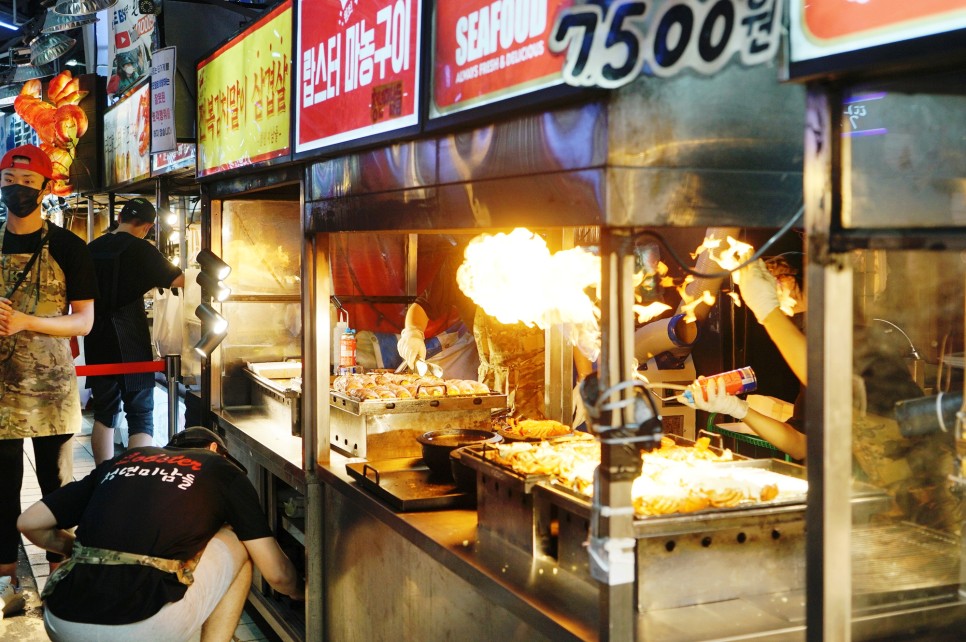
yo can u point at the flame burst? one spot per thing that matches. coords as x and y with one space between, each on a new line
515 279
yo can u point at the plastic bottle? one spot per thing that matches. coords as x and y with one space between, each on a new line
347 349
337 331
737 382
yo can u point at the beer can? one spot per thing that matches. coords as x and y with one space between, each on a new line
737 382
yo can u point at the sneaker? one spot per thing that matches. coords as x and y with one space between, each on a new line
12 601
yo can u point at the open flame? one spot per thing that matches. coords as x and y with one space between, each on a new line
516 279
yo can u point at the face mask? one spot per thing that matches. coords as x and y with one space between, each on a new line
20 200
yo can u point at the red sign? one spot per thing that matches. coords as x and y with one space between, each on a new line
828 19
487 51
358 69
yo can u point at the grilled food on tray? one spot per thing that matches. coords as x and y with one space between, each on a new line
534 429
362 387
674 479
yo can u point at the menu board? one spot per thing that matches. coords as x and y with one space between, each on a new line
243 96
127 138
821 28
488 51
358 70
182 157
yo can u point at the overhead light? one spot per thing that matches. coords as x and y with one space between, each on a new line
82 7
23 73
50 47
211 263
211 321
55 22
7 25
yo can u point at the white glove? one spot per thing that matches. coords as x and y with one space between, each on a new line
579 414
759 289
713 398
412 346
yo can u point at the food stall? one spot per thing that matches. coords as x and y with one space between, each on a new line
652 165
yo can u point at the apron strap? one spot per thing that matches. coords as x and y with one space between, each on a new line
183 569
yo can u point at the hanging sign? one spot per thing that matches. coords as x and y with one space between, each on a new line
134 37
243 96
486 51
819 28
358 70
610 46
163 137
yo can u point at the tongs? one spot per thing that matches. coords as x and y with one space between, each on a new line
422 367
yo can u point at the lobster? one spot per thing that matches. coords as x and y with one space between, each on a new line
59 123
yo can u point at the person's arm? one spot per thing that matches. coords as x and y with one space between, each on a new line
789 340
77 322
39 525
178 281
275 567
779 434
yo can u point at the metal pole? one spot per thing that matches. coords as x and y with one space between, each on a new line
172 370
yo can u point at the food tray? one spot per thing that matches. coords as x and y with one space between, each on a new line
407 484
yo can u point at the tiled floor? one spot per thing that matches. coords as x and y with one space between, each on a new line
33 570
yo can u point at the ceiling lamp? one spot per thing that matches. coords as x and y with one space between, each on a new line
82 7
55 22
50 47
23 73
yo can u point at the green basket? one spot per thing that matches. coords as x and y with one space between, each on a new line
751 440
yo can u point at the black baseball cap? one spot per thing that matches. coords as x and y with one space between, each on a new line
201 437
139 208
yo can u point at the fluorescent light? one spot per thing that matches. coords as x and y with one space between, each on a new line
7 25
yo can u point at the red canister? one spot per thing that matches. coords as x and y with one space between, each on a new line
737 382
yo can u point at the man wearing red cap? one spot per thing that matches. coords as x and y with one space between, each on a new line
47 296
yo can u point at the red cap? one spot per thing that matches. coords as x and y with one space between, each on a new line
29 157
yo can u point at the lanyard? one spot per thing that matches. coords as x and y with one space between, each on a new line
26 269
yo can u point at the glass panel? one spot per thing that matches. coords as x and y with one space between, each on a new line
907 351
903 161
262 244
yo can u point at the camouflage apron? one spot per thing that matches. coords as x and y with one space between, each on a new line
38 385
183 569
512 363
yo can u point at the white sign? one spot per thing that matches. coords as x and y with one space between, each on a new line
163 135
610 46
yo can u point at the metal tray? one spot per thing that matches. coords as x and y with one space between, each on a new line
429 404
407 484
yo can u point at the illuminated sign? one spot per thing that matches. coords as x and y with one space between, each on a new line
165 162
611 48
358 69
820 28
243 96
127 138
487 51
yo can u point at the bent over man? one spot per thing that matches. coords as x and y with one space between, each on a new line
165 542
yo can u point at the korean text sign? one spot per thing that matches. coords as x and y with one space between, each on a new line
358 69
487 51
824 27
243 96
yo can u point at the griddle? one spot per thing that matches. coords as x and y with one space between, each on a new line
407 484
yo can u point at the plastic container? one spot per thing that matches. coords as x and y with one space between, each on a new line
737 382
347 349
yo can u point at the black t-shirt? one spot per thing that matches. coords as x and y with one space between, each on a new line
142 266
70 252
151 501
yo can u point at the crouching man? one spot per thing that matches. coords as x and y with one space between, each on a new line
165 541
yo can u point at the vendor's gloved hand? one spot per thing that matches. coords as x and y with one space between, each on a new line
412 346
711 397
759 289
579 414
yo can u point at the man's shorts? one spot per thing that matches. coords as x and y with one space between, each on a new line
179 620
106 398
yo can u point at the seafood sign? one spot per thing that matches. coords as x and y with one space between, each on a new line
59 123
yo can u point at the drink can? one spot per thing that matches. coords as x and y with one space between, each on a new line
737 382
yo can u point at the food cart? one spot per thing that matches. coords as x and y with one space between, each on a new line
669 156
